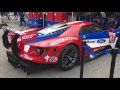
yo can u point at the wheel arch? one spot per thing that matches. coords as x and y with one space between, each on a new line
78 59
79 50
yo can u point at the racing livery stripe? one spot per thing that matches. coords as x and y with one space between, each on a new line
93 43
44 37
95 35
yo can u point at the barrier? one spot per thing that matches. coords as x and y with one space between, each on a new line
49 22
33 23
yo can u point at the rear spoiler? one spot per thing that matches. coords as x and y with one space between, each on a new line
2 25
8 28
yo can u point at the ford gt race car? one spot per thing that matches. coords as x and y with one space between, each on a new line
59 44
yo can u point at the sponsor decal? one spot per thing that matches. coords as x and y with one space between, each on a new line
27 57
47 58
112 37
88 41
51 59
91 56
26 48
28 36
63 40
101 41
21 55
84 36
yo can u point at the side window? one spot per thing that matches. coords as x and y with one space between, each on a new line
91 28
87 29
97 28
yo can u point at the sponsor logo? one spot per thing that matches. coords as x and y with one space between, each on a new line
91 56
28 36
112 37
88 41
47 58
101 41
84 36
51 59
27 57
63 40
26 48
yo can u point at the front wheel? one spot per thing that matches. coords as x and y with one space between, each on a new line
68 57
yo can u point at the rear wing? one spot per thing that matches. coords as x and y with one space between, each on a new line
2 25
6 27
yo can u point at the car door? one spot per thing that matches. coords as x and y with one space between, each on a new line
97 39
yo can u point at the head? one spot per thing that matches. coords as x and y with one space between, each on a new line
118 25
112 16
97 17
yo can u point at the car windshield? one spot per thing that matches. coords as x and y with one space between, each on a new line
54 28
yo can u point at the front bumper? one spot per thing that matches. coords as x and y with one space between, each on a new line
25 65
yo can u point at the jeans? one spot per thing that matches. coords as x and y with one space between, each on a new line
22 20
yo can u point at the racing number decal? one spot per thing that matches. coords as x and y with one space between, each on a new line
112 37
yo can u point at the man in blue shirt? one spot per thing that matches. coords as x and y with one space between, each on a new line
21 15
111 22
97 20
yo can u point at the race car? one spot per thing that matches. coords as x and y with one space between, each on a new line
59 44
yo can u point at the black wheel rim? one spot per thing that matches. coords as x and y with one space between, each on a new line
69 57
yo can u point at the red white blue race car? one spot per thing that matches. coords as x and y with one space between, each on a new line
59 44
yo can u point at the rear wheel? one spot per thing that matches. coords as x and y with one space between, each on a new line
68 57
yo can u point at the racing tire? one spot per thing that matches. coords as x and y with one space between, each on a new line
68 57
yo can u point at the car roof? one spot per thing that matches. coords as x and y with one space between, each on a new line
75 28
79 23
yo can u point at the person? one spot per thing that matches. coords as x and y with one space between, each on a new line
117 24
2 14
97 20
77 16
15 14
21 15
8 15
110 23
103 22
117 21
